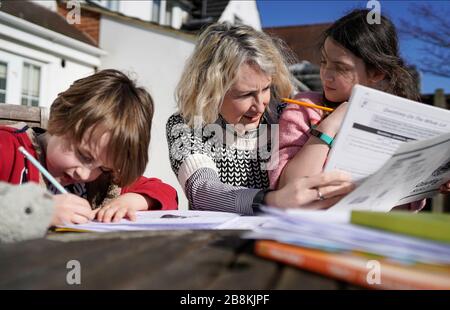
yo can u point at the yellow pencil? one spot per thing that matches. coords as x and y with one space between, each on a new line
306 104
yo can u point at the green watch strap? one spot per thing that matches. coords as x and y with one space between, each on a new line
320 135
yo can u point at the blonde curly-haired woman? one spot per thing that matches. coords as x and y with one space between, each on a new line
221 139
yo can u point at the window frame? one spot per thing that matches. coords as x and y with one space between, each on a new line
30 97
4 91
157 12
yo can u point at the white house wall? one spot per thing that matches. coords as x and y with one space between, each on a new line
140 9
156 59
64 77
17 47
246 10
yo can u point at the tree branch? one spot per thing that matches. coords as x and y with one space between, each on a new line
431 27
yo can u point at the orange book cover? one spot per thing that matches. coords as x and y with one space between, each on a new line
357 269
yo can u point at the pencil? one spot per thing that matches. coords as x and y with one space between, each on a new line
44 171
306 104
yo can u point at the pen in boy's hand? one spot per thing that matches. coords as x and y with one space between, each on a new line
44 171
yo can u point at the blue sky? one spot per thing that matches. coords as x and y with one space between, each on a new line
302 12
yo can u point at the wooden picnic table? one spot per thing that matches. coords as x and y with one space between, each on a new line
150 260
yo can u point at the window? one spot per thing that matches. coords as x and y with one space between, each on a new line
30 84
155 10
3 71
113 5
169 6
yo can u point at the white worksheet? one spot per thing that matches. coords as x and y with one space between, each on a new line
412 163
375 126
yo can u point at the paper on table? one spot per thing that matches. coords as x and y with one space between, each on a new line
323 216
161 220
336 235
245 222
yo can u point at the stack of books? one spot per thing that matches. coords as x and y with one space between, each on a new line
376 265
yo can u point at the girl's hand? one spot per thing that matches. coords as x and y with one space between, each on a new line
71 209
304 192
445 188
124 206
332 123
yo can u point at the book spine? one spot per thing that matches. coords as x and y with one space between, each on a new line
417 225
349 268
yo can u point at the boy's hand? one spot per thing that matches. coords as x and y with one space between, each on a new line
71 209
124 206
445 188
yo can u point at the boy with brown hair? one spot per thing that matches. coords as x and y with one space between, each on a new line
96 146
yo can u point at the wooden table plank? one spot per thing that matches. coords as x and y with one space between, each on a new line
141 262
292 278
106 262
194 269
247 271
46 267
149 260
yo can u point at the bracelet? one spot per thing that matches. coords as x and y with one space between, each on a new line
320 135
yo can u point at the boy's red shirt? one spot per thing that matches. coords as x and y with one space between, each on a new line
15 169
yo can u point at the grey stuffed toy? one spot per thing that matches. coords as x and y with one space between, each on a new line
26 212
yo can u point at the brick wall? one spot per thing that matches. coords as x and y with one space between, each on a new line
89 22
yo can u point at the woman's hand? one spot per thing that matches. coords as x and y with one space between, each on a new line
71 209
317 192
331 124
125 205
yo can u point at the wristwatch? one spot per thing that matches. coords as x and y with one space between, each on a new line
258 200
320 135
